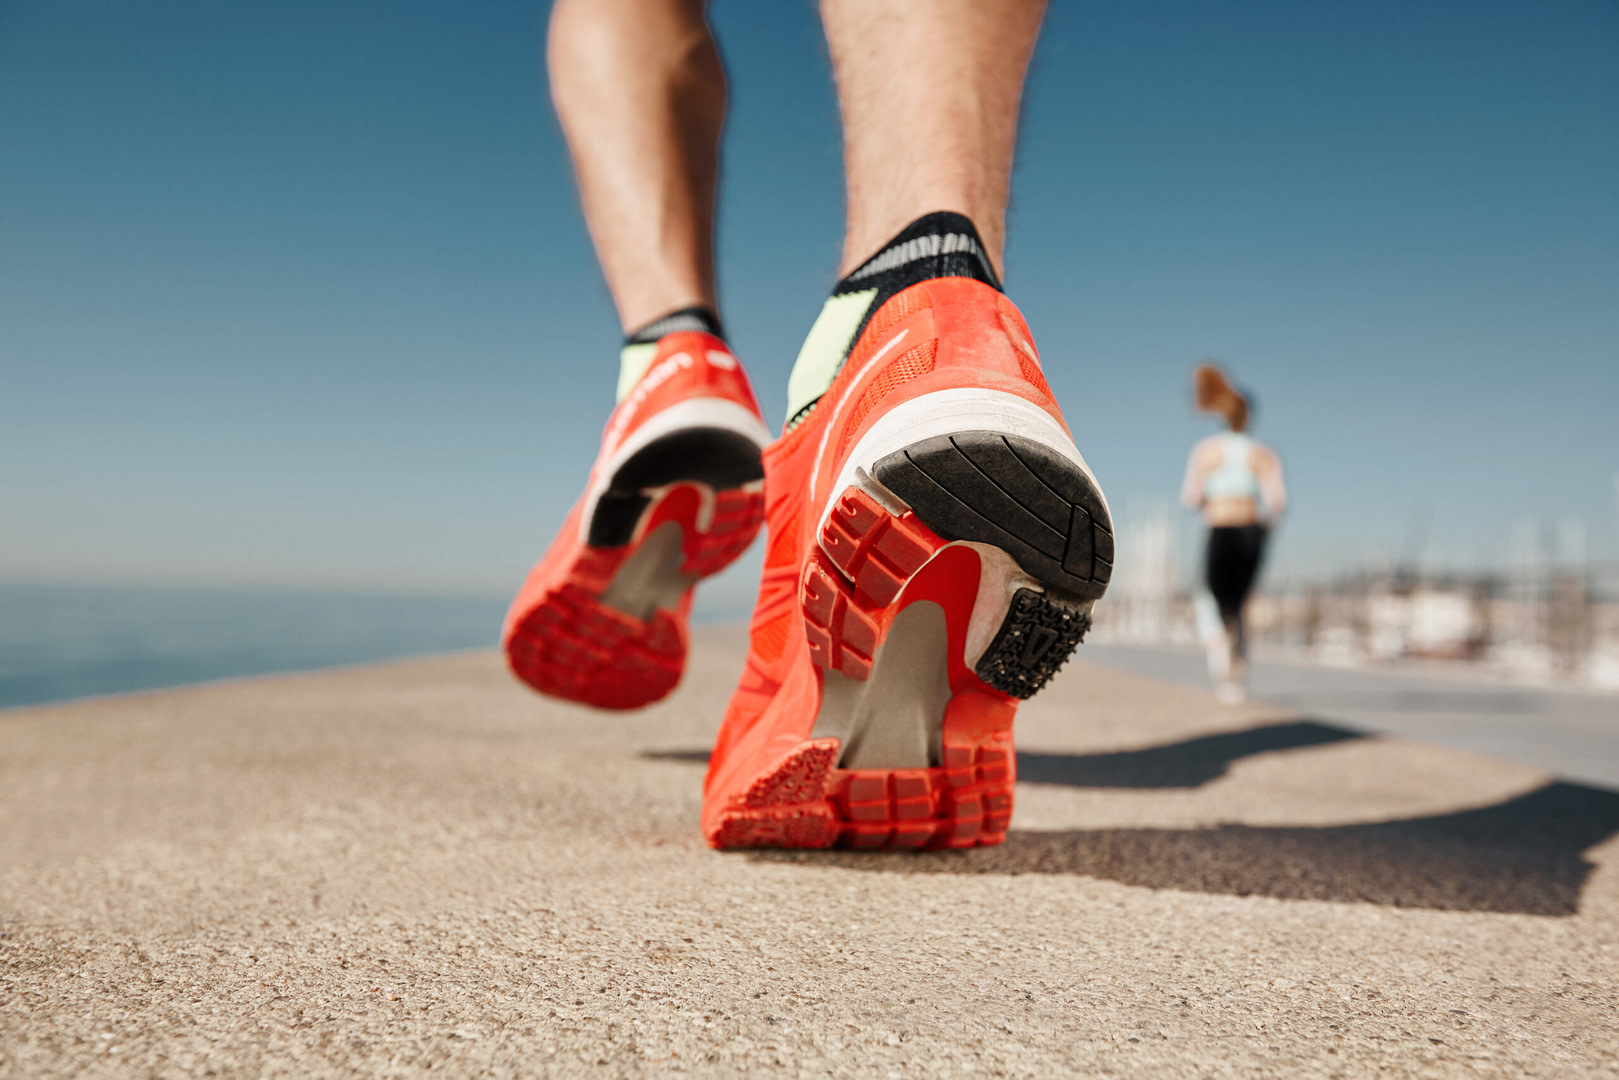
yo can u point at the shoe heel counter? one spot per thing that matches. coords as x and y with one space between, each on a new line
983 332
719 373
1017 332
971 329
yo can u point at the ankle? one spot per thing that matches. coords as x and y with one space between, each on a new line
937 245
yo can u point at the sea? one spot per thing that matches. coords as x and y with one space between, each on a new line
59 642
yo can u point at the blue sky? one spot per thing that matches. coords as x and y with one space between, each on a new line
299 293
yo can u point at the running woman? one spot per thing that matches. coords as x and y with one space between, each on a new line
935 540
1227 477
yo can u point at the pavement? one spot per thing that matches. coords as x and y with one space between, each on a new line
1566 730
422 869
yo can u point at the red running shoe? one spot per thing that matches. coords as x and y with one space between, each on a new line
675 495
936 546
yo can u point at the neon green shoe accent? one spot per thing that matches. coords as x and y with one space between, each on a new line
825 349
633 360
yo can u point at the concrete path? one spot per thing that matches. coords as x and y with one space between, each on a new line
421 869
1574 733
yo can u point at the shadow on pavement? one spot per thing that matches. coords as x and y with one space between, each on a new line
682 757
1521 856
1188 764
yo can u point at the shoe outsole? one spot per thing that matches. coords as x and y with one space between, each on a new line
984 487
805 802
1037 637
571 644
1015 494
716 457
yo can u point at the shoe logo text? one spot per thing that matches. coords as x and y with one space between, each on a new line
660 374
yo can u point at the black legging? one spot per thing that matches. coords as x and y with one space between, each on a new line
1233 563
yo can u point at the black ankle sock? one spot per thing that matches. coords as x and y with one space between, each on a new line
936 245
697 319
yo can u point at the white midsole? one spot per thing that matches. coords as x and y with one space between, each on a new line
947 412
699 412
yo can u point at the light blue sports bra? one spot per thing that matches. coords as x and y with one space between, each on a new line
1234 479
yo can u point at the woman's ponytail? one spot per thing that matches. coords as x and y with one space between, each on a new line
1215 394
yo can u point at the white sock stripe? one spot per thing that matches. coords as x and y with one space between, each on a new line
921 247
670 324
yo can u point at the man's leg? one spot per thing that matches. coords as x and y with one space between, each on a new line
930 96
640 92
675 493
936 540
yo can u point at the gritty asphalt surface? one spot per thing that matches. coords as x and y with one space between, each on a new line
420 868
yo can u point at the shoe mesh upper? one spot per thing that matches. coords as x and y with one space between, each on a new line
903 306
783 549
769 640
918 361
1032 372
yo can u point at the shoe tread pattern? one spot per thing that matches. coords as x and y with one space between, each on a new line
573 646
786 807
1036 639
865 557
1014 493
805 803
966 803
